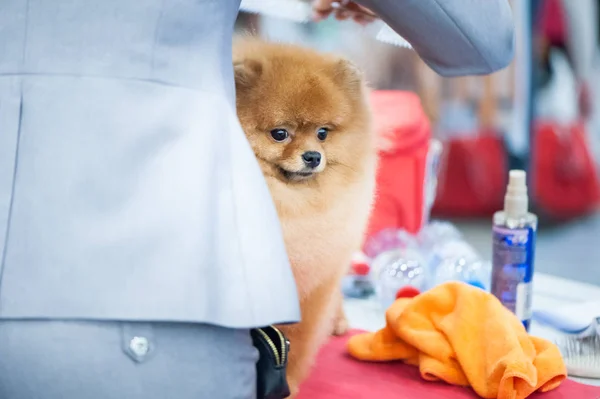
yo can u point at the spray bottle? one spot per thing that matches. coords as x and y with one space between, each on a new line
513 249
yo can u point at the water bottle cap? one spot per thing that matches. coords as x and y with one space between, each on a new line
360 269
407 292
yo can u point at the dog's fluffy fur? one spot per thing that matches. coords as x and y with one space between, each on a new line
323 210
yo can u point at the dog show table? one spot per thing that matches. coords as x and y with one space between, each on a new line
548 292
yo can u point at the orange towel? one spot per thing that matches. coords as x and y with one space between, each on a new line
464 336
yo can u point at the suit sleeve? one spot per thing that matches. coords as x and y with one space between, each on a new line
454 37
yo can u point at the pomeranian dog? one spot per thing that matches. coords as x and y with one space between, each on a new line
308 120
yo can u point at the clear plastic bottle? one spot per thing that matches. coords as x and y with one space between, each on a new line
451 258
437 233
514 233
431 179
472 271
396 269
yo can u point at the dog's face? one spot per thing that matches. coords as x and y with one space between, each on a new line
297 149
304 113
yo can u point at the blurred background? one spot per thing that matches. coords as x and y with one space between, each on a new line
541 114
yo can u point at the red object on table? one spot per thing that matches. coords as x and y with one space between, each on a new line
407 292
404 132
338 376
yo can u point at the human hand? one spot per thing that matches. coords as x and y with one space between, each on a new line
342 10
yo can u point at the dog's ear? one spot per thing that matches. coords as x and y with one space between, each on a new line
348 75
247 72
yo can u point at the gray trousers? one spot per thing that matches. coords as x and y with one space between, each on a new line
114 360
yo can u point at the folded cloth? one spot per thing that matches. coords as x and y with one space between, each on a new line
463 335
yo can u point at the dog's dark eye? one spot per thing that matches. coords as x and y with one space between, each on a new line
279 134
322 133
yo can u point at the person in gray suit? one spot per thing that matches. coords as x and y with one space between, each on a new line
138 240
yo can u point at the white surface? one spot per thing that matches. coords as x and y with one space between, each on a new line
548 292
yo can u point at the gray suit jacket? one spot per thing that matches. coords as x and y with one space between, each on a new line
454 37
127 188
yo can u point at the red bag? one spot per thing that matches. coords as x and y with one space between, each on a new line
564 178
472 177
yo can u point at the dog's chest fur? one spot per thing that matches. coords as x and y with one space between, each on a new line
321 241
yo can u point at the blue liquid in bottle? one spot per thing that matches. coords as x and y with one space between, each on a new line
514 233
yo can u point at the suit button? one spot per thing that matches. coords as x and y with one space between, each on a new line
139 346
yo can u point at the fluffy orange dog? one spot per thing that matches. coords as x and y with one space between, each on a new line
307 118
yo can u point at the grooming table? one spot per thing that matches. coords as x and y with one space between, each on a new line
338 376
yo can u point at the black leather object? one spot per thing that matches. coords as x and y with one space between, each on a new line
271 376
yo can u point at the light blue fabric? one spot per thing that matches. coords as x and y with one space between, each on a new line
127 188
104 360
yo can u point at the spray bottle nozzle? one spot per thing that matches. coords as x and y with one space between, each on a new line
516 201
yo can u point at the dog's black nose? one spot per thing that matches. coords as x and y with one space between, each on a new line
312 159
